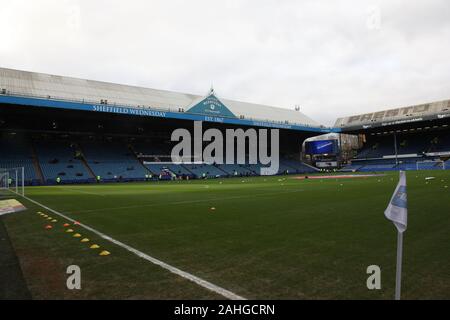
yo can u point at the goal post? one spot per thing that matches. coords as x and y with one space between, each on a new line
430 165
12 179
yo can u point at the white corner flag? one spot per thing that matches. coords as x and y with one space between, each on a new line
397 212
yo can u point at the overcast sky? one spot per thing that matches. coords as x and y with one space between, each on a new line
333 58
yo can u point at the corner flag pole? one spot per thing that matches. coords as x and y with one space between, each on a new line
398 276
397 212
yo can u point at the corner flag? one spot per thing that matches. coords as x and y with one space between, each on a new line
397 212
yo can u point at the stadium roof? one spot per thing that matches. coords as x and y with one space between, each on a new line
397 116
109 97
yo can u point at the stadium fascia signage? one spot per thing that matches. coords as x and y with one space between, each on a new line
130 111
394 122
380 115
211 106
116 109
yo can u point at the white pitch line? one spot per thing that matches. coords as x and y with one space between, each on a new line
188 201
82 191
203 283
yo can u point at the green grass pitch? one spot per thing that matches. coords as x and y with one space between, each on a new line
268 237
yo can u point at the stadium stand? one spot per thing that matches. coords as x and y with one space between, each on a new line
297 166
351 167
58 159
403 138
178 170
82 162
408 164
200 170
113 161
413 151
17 152
153 152
407 144
122 133
239 169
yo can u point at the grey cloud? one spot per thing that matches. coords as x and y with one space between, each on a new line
320 55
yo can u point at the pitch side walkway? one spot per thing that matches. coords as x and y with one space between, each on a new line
12 283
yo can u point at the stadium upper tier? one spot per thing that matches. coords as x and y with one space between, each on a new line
108 97
394 117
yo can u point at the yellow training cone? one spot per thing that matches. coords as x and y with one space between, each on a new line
85 240
45 216
104 253
77 235
69 230
49 218
54 220
94 246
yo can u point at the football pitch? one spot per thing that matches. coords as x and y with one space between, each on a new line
258 237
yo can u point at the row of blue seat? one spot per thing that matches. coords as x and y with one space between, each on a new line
389 165
425 142
111 161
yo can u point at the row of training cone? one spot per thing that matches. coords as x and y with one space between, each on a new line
47 217
75 235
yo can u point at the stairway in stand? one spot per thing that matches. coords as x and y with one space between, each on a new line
36 165
83 160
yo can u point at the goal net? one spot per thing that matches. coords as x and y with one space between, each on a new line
12 181
430 165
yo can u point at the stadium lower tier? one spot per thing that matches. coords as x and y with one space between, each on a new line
418 163
65 162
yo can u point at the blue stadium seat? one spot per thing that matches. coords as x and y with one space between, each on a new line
17 152
113 161
57 159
